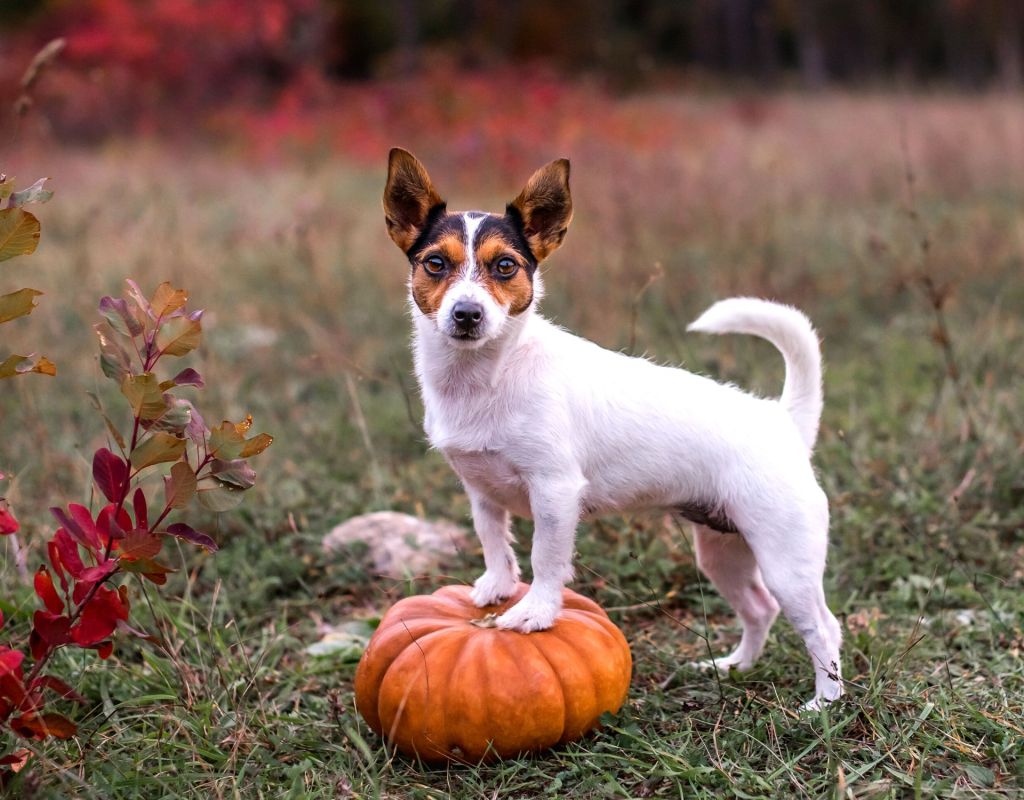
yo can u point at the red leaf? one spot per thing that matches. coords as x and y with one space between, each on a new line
83 517
12 689
68 552
39 726
99 572
81 590
140 544
10 661
183 531
104 649
73 529
188 377
8 524
57 685
46 591
109 528
110 473
99 617
53 628
37 645
54 555
141 510
16 760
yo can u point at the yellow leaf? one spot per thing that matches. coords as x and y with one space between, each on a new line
256 445
179 336
22 365
144 396
168 299
19 233
158 448
17 304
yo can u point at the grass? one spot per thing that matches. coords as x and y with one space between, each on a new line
305 293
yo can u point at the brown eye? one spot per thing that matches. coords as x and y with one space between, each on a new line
434 265
506 267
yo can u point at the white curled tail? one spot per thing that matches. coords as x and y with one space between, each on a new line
792 333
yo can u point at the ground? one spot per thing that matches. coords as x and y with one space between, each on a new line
894 222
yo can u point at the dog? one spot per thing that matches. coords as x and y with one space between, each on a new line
546 425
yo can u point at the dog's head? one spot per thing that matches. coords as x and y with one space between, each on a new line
472 272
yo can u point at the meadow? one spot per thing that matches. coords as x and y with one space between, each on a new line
895 221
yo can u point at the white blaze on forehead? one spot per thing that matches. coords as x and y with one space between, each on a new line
471 221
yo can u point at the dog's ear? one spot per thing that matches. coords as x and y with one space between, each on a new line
545 208
409 197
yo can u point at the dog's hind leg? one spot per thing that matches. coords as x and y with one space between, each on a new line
791 557
730 565
501 575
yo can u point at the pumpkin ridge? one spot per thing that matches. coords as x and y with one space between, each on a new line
554 674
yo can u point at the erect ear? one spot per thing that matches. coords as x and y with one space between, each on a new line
409 198
545 208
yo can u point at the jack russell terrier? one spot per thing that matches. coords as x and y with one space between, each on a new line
540 423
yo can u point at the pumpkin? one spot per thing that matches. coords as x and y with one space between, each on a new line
440 681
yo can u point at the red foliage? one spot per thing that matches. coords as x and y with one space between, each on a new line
83 604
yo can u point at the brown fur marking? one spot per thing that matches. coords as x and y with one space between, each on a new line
428 290
515 293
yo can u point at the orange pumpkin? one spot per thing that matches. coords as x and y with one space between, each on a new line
441 682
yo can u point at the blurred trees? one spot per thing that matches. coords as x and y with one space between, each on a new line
968 42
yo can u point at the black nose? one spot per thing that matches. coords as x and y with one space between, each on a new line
467 314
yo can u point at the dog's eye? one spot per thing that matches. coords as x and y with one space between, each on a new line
506 267
434 265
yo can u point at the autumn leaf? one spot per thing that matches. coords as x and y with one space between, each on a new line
58 686
256 445
160 447
39 726
22 365
17 304
110 473
189 534
119 315
138 545
179 336
114 359
36 193
166 299
144 396
8 522
19 233
180 485
46 591
237 472
217 496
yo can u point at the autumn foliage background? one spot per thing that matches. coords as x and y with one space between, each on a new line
862 161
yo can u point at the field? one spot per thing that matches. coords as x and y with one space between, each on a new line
894 221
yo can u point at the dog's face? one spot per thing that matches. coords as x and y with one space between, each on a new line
472 272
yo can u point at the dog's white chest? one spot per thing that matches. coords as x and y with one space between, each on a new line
488 472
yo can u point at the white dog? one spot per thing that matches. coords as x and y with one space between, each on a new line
546 425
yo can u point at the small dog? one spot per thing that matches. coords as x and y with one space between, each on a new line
546 425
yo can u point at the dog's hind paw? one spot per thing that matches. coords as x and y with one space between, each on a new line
490 588
723 664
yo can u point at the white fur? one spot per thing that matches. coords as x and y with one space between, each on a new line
546 425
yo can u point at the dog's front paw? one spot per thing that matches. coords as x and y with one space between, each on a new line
491 588
532 613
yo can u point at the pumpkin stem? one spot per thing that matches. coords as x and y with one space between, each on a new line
490 621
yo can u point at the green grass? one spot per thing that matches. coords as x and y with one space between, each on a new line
305 293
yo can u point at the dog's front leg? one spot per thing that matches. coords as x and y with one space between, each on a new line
555 504
501 575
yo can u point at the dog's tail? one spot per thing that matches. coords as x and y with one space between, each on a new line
791 332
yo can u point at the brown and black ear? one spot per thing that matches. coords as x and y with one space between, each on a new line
545 208
409 197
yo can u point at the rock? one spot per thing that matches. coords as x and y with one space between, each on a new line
400 545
